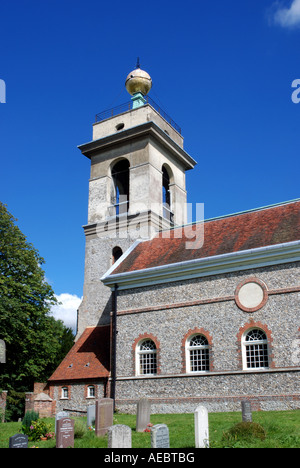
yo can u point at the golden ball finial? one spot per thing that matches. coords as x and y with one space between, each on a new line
138 81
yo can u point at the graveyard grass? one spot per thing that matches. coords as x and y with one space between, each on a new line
282 431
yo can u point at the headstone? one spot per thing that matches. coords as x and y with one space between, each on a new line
160 436
104 416
201 427
65 433
2 352
60 415
246 411
18 441
91 415
119 436
143 414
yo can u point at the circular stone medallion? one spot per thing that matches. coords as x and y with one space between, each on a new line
251 295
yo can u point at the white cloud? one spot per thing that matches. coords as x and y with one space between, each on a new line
67 310
287 17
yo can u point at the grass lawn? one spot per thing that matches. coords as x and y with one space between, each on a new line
282 431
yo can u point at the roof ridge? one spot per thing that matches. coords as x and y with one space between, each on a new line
230 215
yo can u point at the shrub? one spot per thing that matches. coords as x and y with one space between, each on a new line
244 431
14 405
80 429
29 417
37 430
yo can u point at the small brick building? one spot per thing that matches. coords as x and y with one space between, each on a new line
182 314
83 374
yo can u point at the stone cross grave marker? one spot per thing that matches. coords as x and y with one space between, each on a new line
119 436
246 411
104 416
160 436
60 415
201 427
18 441
143 414
65 433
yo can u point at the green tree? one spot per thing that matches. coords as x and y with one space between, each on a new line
34 340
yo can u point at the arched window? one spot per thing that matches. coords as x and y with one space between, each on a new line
146 358
166 195
117 252
197 354
91 391
120 192
64 393
255 349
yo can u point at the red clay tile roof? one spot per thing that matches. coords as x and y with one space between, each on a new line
257 228
88 358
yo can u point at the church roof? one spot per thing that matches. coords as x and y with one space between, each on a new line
88 358
268 226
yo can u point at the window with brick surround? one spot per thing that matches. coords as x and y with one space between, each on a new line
146 357
91 393
64 393
255 349
197 354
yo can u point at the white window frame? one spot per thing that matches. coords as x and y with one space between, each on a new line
140 353
189 348
90 389
245 344
64 393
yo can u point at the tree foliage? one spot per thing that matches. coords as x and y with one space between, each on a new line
34 340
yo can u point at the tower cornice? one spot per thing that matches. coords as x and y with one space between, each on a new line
148 129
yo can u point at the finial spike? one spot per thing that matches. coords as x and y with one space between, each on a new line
138 63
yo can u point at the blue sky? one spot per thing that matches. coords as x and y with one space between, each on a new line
222 69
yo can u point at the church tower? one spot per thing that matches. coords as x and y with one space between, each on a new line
136 188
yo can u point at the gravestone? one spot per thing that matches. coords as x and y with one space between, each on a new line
104 416
2 352
18 441
60 415
160 436
65 433
201 427
119 436
91 415
143 414
246 411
